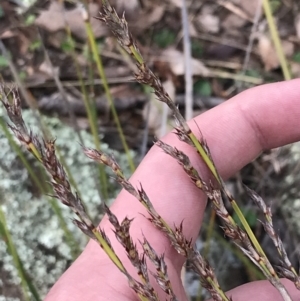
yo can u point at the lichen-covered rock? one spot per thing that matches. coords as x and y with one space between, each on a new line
291 195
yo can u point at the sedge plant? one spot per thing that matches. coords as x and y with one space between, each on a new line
215 190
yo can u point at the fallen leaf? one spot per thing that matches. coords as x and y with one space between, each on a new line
149 18
54 18
46 68
176 3
176 60
297 25
130 7
156 113
249 7
7 34
233 22
268 53
295 69
209 22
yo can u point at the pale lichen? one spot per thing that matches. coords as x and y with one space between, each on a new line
290 202
34 227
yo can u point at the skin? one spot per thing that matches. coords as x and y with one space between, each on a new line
237 131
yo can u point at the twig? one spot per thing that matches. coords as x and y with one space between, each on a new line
188 74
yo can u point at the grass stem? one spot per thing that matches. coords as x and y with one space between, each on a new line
277 43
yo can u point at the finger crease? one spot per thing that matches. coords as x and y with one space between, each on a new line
255 127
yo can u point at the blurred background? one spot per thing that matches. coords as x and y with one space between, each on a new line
76 85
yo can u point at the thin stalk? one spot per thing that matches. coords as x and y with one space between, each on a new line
20 154
70 239
107 249
91 114
205 157
287 268
38 182
188 72
210 232
32 104
34 107
67 168
210 164
249 230
276 40
246 262
113 256
29 99
101 71
62 91
235 76
26 284
217 288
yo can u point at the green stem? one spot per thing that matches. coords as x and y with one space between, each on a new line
217 289
71 241
91 114
100 68
205 157
209 163
113 257
25 281
276 40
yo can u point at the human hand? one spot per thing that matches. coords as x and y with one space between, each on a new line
236 132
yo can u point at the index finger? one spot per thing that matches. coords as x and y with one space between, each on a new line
236 132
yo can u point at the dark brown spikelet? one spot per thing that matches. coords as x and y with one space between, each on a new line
143 289
123 236
14 112
61 184
84 228
44 151
161 275
185 162
13 108
117 25
287 269
102 158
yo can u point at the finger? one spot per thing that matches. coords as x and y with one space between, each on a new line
262 291
236 131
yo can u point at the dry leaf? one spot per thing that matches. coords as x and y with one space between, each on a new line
297 25
268 54
7 34
209 22
249 7
54 18
295 69
46 68
149 18
176 61
233 22
176 3
130 7
156 113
